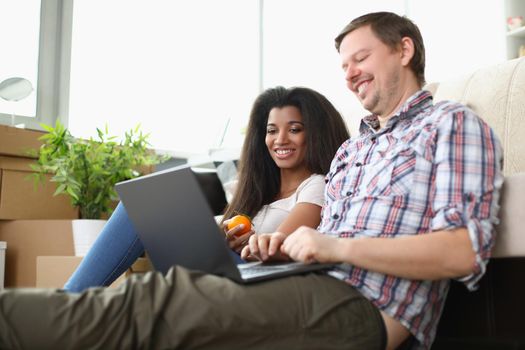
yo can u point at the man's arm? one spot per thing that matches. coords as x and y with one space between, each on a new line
464 193
306 214
436 255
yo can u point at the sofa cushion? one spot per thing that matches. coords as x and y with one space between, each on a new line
497 95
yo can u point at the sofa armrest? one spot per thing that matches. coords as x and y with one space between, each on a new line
510 241
492 316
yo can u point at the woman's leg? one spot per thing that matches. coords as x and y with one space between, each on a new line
237 258
115 250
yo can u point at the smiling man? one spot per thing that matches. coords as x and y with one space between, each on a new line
410 204
419 186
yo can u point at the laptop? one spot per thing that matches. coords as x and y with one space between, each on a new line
177 227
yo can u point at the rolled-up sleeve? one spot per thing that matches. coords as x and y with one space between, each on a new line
468 179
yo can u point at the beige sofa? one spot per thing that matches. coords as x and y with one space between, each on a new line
497 94
493 316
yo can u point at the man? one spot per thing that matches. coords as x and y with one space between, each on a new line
427 175
410 204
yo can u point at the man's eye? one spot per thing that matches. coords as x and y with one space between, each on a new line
361 59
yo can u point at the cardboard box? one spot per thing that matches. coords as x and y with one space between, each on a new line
20 199
142 265
27 239
17 142
54 271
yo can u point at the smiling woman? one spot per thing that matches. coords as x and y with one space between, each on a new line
263 187
285 138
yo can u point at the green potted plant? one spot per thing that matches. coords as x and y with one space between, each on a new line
87 169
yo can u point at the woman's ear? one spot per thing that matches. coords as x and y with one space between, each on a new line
407 50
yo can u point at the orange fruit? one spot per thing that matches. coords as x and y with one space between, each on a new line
240 219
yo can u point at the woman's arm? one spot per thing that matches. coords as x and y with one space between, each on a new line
259 245
302 214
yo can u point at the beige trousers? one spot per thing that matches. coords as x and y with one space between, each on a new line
191 310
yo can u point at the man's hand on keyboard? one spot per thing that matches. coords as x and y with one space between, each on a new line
265 247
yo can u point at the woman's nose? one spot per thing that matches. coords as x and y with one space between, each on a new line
282 137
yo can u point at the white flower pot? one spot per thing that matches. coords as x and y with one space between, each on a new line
85 232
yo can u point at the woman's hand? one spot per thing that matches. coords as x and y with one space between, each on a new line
265 247
236 243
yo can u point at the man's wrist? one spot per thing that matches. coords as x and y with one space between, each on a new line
345 250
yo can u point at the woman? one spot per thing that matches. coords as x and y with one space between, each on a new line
291 138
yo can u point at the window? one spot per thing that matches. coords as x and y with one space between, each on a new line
189 70
186 70
36 39
20 27
299 47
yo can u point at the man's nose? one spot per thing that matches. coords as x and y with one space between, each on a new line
351 72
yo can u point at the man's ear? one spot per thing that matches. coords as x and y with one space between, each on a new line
407 50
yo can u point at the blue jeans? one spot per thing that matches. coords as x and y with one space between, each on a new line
115 250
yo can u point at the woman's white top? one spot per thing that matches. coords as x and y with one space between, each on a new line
272 215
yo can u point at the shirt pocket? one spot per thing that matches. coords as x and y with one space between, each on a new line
393 174
339 182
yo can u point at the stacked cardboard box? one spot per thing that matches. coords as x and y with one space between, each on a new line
19 197
27 239
33 222
18 142
40 253
54 271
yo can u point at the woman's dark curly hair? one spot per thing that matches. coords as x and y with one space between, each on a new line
259 178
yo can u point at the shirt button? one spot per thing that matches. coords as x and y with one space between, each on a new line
358 164
335 216
348 193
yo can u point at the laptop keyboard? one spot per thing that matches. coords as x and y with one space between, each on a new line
257 268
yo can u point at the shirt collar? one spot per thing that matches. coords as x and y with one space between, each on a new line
421 100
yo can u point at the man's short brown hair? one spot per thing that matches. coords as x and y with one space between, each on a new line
390 28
